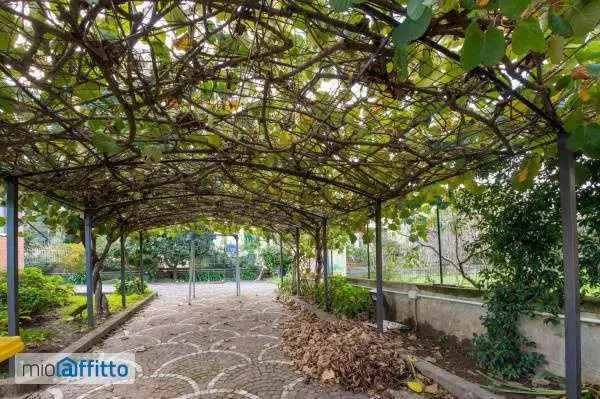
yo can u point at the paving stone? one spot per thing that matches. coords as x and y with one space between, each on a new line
222 346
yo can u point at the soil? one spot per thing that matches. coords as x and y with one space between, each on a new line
60 334
446 351
451 354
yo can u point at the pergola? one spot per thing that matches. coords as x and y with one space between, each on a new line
280 114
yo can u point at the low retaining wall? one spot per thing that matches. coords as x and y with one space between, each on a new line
458 312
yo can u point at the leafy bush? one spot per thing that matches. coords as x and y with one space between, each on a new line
503 349
272 258
75 278
249 274
210 275
37 292
132 286
346 299
73 259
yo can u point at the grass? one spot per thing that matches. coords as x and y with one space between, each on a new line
114 303
37 334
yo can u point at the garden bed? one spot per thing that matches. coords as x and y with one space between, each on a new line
433 347
50 319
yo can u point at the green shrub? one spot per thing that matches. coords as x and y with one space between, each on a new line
210 275
249 274
37 292
75 278
132 286
346 299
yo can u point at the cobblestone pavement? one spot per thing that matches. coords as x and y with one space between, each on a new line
221 346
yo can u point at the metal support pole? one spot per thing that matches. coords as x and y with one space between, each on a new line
379 267
12 259
237 264
568 201
318 258
439 237
297 239
123 257
194 270
326 267
280 257
190 273
368 254
89 267
141 261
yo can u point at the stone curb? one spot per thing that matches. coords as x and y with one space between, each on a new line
84 343
9 389
452 383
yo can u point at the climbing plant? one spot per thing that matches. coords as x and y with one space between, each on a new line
520 237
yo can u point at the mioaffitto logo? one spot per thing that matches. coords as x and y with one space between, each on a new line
74 368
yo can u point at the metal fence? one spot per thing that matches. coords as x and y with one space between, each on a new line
418 261
47 256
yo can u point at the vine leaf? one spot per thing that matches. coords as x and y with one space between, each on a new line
415 8
341 5
586 138
585 19
105 144
482 47
528 36
87 90
493 46
529 169
513 8
471 50
558 25
409 29
556 46
401 60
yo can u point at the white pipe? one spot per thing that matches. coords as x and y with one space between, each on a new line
588 320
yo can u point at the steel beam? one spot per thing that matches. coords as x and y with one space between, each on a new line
89 267
123 290
368 253
237 264
297 239
141 261
379 268
439 237
326 267
190 273
12 259
280 256
568 201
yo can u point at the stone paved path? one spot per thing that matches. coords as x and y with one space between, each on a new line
220 347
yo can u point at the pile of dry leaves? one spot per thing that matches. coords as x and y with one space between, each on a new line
344 352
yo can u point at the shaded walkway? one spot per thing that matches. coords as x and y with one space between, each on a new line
220 347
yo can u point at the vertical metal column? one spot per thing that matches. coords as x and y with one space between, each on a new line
379 267
237 264
326 267
568 201
439 237
141 261
297 239
194 270
318 258
368 253
89 267
123 291
12 259
280 256
190 273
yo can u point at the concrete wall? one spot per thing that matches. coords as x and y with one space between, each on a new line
458 312
3 253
